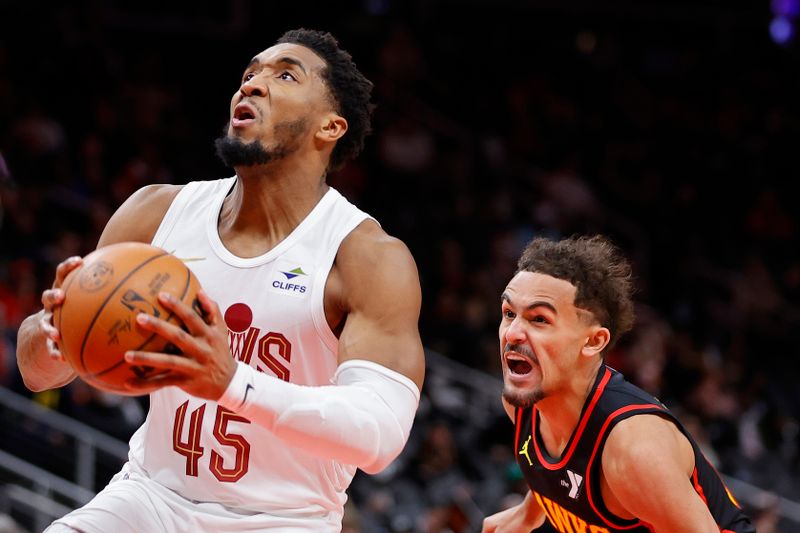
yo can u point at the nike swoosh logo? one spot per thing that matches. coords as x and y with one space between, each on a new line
188 259
246 390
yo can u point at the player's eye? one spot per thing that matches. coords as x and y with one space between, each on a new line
247 77
509 314
287 76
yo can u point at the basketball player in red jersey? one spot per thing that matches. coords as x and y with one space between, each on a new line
308 363
598 454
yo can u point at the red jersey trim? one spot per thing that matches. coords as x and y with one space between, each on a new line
578 432
698 487
611 417
517 420
724 485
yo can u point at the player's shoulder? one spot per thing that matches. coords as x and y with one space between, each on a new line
642 444
646 430
369 244
369 259
138 218
155 195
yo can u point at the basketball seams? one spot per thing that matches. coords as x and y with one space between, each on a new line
105 302
168 318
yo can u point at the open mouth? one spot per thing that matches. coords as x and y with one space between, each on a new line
243 115
518 366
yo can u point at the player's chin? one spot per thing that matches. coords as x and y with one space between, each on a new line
522 397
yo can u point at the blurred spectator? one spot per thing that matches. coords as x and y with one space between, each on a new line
514 122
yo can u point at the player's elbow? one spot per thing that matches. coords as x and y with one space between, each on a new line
380 438
391 441
369 436
378 467
388 400
363 420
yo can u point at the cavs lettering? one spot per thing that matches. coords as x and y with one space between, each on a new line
273 307
565 521
274 353
272 349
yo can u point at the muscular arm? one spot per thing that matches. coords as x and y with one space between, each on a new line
647 465
365 417
42 366
382 298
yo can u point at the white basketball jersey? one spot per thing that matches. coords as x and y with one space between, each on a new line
273 306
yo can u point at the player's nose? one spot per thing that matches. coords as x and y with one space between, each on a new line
253 87
514 333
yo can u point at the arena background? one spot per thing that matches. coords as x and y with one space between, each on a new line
671 126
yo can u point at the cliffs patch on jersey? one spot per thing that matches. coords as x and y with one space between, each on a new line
290 278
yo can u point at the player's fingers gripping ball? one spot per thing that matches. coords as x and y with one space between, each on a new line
102 298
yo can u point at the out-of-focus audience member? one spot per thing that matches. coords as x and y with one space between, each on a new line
682 150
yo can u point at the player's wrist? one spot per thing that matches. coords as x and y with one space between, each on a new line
235 394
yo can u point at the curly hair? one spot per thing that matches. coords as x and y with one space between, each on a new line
600 274
350 90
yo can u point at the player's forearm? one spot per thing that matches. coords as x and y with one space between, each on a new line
364 419
39 370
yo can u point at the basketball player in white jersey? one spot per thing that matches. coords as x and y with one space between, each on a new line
308 363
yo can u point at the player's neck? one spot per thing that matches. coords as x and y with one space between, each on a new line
560 412
266 205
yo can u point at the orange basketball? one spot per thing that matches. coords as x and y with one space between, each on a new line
101 301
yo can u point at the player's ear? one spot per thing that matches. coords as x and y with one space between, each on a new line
598 339
331 128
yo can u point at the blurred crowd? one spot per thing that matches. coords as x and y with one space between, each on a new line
677 138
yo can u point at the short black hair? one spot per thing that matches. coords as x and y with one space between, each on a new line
350 90
597 269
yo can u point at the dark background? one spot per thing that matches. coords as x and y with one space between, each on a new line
671 126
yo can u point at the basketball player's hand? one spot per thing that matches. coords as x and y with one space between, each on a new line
523 517
205 368
52 298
